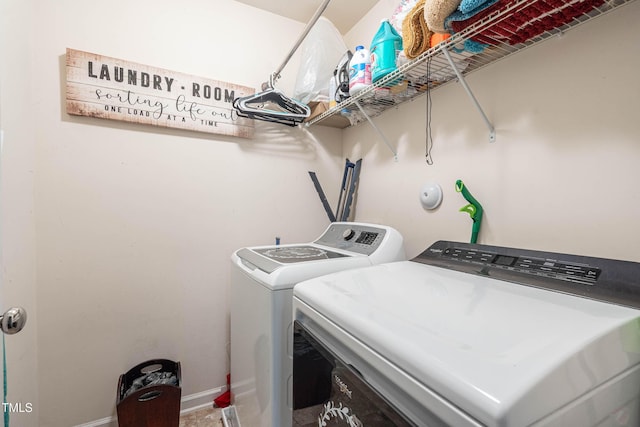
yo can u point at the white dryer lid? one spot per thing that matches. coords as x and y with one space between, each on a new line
506 354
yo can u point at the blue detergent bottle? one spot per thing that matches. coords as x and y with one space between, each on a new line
385 48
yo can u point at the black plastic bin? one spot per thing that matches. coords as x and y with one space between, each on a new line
151 405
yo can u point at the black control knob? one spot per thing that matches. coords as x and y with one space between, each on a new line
348 234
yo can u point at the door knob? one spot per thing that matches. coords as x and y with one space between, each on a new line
13 320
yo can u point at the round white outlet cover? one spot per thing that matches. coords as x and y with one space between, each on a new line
430 195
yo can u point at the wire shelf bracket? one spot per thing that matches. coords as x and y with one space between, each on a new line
463 82
377 129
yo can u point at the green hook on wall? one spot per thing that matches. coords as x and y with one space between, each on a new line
474 209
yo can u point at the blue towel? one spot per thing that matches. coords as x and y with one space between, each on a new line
466 10
471 46
468 6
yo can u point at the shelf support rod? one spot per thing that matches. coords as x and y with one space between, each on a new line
492 130
382 136
276 74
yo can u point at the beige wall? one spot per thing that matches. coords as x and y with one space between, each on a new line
135 225
563 173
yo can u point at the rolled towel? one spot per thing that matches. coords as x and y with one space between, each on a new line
436 11
416 35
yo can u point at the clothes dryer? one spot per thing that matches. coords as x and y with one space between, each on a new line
470 335
262 282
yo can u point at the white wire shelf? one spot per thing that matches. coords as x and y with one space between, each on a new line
432 69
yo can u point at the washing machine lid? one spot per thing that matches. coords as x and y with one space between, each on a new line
270 258
504 353
301 253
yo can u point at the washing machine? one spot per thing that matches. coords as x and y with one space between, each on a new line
262 281
470 335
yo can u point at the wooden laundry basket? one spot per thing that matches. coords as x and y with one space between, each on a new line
153 405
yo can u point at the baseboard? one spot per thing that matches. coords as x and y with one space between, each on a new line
190 403
103 422
196 401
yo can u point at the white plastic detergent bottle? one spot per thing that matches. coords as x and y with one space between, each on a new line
359 71
385 47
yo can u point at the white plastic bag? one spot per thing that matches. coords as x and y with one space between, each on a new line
400 13
320 52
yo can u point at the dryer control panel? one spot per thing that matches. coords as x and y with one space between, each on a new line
603 279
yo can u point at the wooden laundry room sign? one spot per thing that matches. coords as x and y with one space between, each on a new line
110 88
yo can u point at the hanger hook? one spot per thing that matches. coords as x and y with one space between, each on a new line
271 83
273 79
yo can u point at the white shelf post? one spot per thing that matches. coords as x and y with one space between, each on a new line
384 138
492 130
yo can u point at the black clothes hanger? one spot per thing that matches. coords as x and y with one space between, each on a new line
273 106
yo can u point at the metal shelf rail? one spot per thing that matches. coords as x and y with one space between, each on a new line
445 63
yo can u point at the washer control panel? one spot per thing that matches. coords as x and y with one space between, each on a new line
603 279
552 268
353 237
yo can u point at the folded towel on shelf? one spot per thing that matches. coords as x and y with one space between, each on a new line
524 23
466 10
416 35
474 6
436 11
